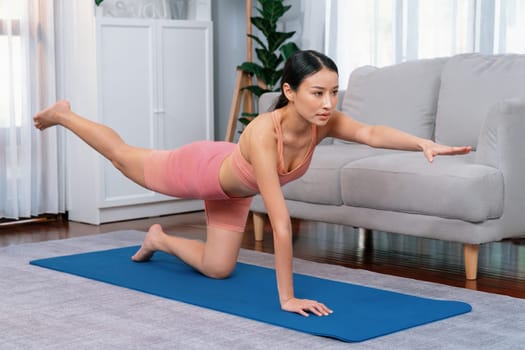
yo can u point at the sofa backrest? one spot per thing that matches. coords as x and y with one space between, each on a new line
470 85
267 101
403 96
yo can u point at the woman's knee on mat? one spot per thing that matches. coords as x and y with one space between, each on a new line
218 271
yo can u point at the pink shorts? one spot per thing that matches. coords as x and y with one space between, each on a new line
192 172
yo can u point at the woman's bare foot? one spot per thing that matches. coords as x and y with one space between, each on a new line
51 115
149 245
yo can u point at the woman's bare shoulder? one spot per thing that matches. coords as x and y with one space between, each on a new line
259 132
260 125
262 119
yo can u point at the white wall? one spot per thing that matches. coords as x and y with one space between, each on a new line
229 50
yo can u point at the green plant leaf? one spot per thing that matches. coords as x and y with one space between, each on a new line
265 26
245 121
98 2
273 77
288 49
258 41
256 90
273 10
254 69
267 58
251 67
276 39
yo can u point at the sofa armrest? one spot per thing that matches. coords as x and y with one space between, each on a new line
501 140
500 145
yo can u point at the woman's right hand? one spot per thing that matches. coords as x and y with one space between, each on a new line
306 306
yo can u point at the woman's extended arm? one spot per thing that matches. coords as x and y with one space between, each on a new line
380 136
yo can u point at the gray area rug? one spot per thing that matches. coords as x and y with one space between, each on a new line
44 309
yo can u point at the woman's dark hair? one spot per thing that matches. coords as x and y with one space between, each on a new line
298 67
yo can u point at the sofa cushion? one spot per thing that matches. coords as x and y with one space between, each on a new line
470 85
403 96
321 183
450 187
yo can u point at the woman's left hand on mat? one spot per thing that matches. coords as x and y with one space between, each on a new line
303 306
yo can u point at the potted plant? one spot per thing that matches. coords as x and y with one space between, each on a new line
272 51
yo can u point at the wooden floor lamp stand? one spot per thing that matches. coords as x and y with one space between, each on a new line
240 97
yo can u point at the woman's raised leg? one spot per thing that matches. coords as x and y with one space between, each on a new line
128 159
215 258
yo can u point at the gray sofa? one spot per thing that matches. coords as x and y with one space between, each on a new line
468 99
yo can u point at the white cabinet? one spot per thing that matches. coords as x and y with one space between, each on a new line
151 81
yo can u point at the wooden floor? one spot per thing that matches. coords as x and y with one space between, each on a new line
501 265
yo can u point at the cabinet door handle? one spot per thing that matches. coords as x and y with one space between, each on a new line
158 111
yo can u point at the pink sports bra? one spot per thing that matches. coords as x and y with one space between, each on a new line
244 169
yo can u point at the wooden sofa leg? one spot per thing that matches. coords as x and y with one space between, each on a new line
365 238
470 253
258 225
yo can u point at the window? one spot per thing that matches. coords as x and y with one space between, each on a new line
509 26
30 162
385 32
10 63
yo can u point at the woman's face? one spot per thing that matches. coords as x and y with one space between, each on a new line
316 97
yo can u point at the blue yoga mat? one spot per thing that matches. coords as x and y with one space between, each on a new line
360 313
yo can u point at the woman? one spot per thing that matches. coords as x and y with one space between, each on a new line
274 149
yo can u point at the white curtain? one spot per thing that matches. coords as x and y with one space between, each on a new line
384 32
31 167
